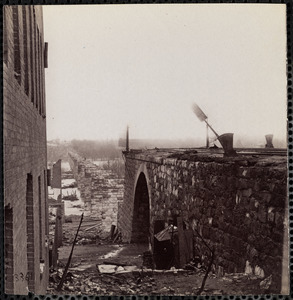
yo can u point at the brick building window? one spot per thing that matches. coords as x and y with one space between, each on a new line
8 249
31 54
16 41
30 231
40 218
25 51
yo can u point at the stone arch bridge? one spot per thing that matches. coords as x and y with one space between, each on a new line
237 204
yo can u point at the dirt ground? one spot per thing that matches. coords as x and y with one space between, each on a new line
85 278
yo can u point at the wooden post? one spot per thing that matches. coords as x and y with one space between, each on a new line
207 145
59 226
127 139
181 242
185 238
59 287
57 238
113 227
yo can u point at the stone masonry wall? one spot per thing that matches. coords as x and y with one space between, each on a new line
82 174
25 152
101 190
106 194
237 205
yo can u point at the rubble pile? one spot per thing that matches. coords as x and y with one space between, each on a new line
70 185
109 269
90 231
101 283
131 280
114 280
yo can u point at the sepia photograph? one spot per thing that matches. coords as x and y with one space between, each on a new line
145 150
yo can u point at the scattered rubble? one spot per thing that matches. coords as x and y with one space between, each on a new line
111 269
71 185
101 267
266 283
131 280
89 231
71 197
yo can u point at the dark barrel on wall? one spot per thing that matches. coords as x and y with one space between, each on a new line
226 141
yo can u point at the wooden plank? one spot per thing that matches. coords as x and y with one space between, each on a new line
185 239
189 244
113 227
181 241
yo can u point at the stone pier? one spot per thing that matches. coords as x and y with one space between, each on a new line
236 204
100 189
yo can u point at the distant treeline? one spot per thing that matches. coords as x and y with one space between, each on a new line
111 149
96 149
160 143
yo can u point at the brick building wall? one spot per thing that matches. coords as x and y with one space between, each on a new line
237 205
25 154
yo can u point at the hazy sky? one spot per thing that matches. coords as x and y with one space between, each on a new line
144 65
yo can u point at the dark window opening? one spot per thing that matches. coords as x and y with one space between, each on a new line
8 249
30 231
40 218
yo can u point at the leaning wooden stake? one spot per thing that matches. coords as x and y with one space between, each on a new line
59 287
207 272
210 264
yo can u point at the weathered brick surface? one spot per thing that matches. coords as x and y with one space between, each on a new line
24 149
238 205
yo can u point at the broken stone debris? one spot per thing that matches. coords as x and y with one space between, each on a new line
90 232
102 283
71 185
107 268
164 291
110 279
113 278
266 283
71 197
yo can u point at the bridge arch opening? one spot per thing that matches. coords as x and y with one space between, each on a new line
141 212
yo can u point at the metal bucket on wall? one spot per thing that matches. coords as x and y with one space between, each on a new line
226 141
269 139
